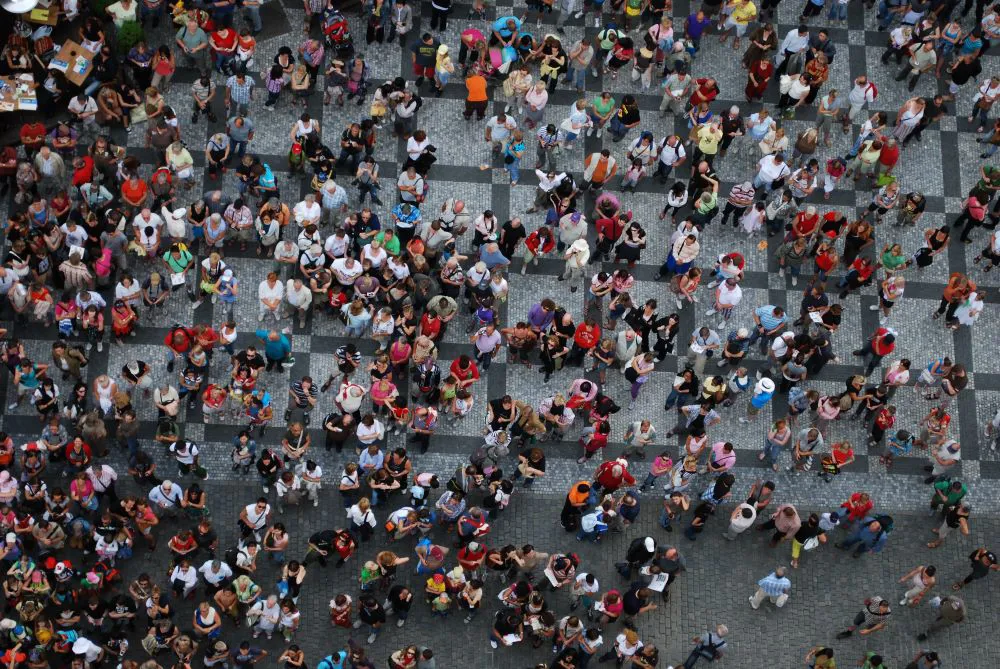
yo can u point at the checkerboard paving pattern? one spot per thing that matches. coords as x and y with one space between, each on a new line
944 166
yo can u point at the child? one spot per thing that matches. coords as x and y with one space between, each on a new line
596 443
461 405
633 174
434 589
661 464
897 445
737 384
273 82
296 158
835 169
884 420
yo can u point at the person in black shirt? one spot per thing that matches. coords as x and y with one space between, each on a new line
933 111
250 358
500 413
511 235
504 623
399 600
122 613
206 537
636 600
320 546
370 613
640 551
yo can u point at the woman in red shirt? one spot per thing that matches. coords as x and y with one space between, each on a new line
705 90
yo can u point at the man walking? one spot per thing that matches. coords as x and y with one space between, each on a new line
951 611
708 646
775 586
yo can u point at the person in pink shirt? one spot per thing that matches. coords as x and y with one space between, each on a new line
723 457
383 393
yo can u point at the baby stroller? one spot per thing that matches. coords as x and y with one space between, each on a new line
338 34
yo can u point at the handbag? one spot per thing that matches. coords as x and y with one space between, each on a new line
811 544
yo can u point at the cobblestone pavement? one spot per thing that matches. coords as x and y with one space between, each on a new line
829 587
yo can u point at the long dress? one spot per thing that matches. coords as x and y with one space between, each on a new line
762 70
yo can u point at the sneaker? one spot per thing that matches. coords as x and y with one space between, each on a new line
600 132
795 281
12 406
873 307
493 644
266 489
260 317
357 624
371 638
713 284
902 602
590 132
744 421
468 619
710 312
100 346
400 623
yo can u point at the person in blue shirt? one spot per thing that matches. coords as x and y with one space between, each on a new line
491 255
335 661
277 347
505 31
762 394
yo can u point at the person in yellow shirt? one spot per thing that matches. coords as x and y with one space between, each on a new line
741 14
709 136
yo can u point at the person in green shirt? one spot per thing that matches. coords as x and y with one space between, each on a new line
389 241
600 111
892 257
178 260
872 660
948 493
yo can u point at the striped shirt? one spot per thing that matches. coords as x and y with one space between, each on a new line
768 318
343 355
773 586
740 196
546 139
301 394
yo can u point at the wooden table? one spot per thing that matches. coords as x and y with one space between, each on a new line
53 18
10 102
68 53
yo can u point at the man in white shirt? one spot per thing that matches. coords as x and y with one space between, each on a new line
863 93
727 296
84 109
796 40
769 169
308 211
346 270
498 129
299 299
270 292
216 573
167 497
672 154
146 218
547 182
336 245
103 478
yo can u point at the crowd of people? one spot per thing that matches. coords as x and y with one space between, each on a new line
92 242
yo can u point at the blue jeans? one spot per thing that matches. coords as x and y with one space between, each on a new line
356 331
838 11
618 129
514 169
664 519
578 77
157 13
771 451
990 148
672 399
254 14
586 536
240 148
